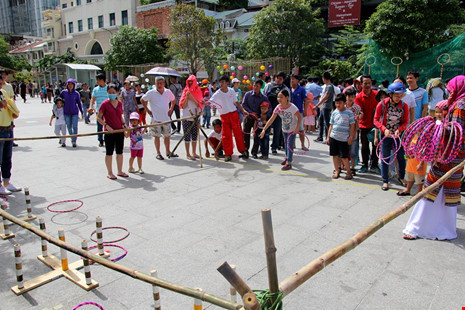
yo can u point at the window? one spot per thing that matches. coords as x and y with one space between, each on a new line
80 25
64 5
78 2
70 27
89 1
112 19
90 23
100 21
64 29
72 4
124 17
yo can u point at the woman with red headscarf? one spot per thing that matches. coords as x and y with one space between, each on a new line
191 104
435 216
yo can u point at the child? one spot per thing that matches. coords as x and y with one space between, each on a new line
214 137
207 114
355 108
60 124
137 143
257 141
291 120
341 135
309 120
42 96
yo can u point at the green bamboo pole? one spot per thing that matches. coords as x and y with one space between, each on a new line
184 290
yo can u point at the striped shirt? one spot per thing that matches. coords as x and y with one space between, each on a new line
341 121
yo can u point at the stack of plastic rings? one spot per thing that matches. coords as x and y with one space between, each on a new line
49 207
298 153
88 303
112 242
393 155
437 141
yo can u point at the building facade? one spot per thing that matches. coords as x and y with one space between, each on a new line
51 28
87 26
24 17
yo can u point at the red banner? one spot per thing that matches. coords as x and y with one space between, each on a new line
344 12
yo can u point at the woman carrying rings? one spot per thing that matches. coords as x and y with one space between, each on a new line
392 118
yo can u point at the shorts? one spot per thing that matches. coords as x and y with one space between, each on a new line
192 134
338 148
137 153
413 177
162 130
309 120
114 142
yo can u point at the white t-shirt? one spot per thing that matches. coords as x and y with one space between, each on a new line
159 104
226 100
409 99
190 106
59 115
437 94
289 119
214 134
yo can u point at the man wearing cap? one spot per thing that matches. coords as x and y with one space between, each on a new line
366 99
251 103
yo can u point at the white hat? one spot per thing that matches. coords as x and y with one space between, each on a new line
236 80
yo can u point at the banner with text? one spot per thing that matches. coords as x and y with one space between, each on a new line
344 12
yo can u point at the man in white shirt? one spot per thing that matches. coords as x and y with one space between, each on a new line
162 102
227 107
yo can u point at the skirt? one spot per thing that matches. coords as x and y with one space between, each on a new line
433 220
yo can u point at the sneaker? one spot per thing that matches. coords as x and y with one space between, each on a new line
100 144
286 167
363 169
318 140
15 144
264 157
254 156
274 152
140 171
74 145
284 162
375 170
244 155
63 145
4 191
13 188
227 158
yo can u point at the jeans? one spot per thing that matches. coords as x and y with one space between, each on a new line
263 143
354 148
177 112
207 114
386 147
325 116
6 152
289 144
85 107
100 136
366 149
277 129
72 124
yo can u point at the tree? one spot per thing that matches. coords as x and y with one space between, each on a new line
132 46
232 4
193 37
339 69
49 60
292 30
403 27
238 47
346 41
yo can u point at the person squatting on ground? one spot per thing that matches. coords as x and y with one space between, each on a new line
341 135
72 107
214 139
59 116
190 103
110 115
162 102
291 123
226 97
136 143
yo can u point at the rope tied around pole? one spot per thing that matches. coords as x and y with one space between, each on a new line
265 297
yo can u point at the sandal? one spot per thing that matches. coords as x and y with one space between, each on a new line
172 155
336 174
132 170
385 187
408 237
111 177
402 193
348 176
123 175
159 157
402 182
190 157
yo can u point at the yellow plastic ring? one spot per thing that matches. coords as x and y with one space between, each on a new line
397 64
370 64
443 63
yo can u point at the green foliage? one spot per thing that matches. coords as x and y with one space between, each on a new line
11 62
133 46
339 69
346 41
403 27
20 64
24 76
286 28
232 4
49 60
238 47
193 38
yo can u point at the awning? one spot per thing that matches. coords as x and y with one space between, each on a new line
82 67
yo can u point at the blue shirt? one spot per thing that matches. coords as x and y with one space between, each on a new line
298 97
252 102
315 89
100 94
341 121
421 98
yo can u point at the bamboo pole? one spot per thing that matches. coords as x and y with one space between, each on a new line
309 270
18 266
136 274
234 279
63 253
270 253
94 133
85 262
185 134
28 202
251 302
156 291
232 290
99 233
198 302
43 241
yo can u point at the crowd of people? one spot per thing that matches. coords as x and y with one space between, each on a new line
360 121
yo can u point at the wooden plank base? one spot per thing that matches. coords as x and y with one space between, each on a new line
2 231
